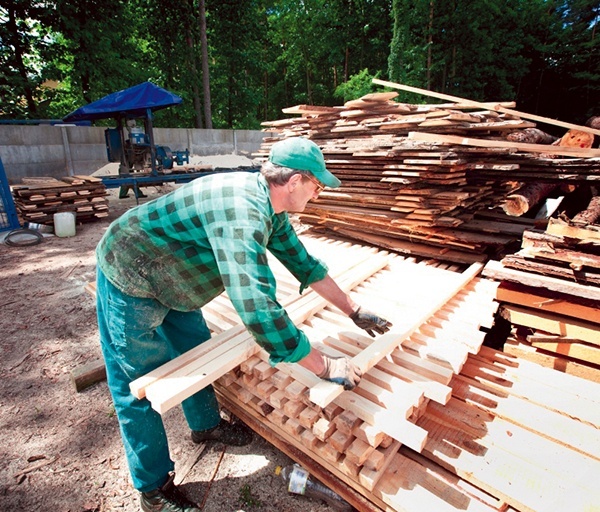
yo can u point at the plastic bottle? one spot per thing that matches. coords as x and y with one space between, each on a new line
299 481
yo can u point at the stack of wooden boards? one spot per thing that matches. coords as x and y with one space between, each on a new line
438 422
38 199
551 291
425 180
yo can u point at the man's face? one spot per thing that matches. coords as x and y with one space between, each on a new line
302 190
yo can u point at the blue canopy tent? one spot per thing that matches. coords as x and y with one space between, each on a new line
139 101
133 102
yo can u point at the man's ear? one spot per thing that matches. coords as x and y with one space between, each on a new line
294 180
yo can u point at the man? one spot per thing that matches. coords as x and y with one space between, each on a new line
160 262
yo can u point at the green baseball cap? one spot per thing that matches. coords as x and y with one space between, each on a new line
304 155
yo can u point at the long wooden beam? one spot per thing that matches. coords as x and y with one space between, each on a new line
325 392
478 104
520 146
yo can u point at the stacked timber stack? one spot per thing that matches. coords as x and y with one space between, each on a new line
415 177
438 422
550 293
38 199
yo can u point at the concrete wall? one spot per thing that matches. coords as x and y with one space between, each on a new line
57 151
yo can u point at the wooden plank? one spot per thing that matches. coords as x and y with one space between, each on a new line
522 468
88 375
551 424
582 276
561 228
496 270
394 489
552 323
432 389
575 350
383 389
520 146
573 397
552 361
408 485
218 342
322 470
548 301
368 477
325 392
164 397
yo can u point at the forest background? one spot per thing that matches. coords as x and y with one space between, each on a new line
237 63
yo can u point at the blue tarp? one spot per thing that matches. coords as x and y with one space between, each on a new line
132 102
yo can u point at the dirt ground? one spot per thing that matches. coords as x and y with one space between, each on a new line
60 450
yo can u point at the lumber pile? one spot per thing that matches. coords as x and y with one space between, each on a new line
38 199
426 180
439 422
551 294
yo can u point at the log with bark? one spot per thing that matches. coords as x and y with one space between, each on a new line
527 197
593 122
590 215
531 136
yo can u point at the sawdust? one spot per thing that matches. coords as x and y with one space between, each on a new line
61 450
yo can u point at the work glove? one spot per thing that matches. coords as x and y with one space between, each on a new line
370 321
341 370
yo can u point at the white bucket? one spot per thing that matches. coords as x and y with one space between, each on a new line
64 224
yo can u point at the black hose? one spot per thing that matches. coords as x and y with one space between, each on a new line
15 238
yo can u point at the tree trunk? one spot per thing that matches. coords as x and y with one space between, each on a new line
526 198
195 89
266 95
308 85
577 139
205 73
590 215
346 64
20 52
429 44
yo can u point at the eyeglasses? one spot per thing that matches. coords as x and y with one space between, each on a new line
318 185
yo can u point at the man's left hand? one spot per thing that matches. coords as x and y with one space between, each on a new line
370 321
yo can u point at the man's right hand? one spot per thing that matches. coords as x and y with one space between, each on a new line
341 370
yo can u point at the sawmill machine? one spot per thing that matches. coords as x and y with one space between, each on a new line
129 144
136 153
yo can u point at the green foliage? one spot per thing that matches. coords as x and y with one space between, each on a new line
247 498
22 41
265 55
358 85
541 53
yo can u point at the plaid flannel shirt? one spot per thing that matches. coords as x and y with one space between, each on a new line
183 249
